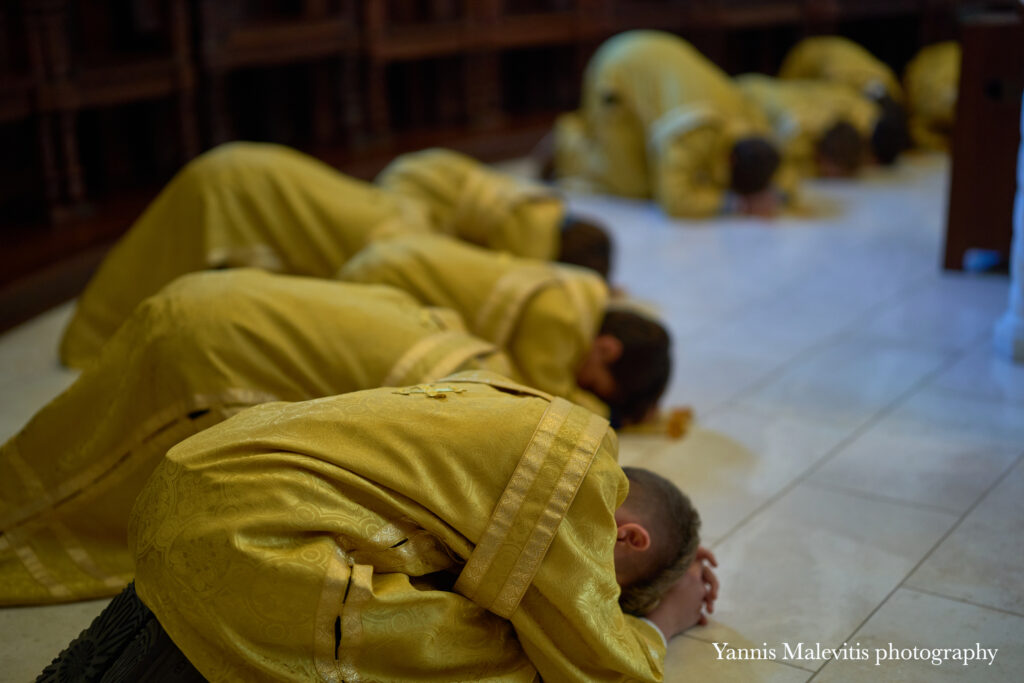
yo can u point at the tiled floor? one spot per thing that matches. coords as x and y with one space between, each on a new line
858 452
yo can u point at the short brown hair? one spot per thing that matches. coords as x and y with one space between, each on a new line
642 370
754 162
890 135
843 146
587 244
674 526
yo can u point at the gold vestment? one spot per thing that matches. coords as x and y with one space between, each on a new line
840 60
462 530
544 315
801 111
468 200
657 119
932 82
203 348
239 205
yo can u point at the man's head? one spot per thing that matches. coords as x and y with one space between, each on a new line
840 151
890 135
586 244
627 366
658 531
754 161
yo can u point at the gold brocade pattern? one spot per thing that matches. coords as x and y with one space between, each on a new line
239 205
840 60
503 564
650 101
470 201
435 356
322 540
209 345
507 298
544 316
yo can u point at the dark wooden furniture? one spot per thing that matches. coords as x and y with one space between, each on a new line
249 34
87 56
101 101
986 137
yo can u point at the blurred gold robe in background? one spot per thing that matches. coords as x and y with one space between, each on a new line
801 111
657 119
544 315
472 202
932 82
457 531
840 60
205 347
241 204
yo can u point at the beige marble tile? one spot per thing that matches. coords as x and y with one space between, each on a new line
732 462
982 561
30 637
922 466
815 564
911 620
690 659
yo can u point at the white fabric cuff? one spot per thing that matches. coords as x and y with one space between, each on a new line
650 623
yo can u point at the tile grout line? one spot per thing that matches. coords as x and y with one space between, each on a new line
881 498
931 551
1002 610
855 434
822 344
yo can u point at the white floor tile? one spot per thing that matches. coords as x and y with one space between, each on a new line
30 637
31 348
949 311
922 466
21 398
690 659
984 373
815 564
982 561
846 383
733 462
959 415
910 620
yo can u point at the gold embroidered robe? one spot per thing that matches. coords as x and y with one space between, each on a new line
932 82
457 531
544 315
658 119
468 200
241 204
840 60
203 348
801 111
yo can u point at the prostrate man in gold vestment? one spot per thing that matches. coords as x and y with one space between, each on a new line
840 60
468 529
553 320
205 347
468 200
659 120
822 128
239 205
271 207
932 82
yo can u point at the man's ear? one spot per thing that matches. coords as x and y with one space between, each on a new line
634 536
608 348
